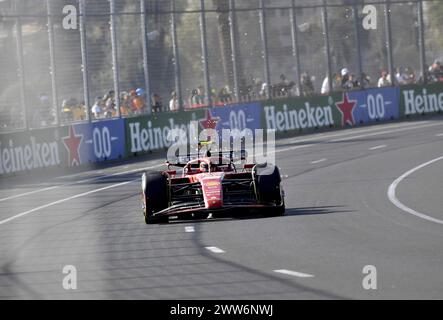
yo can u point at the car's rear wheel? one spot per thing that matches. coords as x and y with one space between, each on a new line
155 196
267 182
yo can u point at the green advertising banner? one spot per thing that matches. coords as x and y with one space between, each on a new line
419 100
304 114
149 133
36 149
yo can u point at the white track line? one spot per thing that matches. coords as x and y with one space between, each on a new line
358 130
393 198
28 193
64 200
323 136
378 147
78 182
403 126
318 161
292 148
439 135
215 249
189 229
387 131
294 273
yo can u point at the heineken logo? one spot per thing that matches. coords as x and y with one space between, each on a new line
346 108
302 118
147 136
28 156
209 122
72 144
143 139
422 102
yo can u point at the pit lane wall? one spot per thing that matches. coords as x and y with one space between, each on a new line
87 143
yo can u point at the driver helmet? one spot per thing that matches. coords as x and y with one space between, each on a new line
204 167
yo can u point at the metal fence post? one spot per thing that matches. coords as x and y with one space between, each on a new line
389 41
294 38
53 71
234 49
144 31
327 46
204 46
421 34
264 41
175 49
84 58
21 70
115 57
357 43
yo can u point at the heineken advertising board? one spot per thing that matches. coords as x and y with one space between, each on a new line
66 146
421 100
84 143
36 149
331 111
149 133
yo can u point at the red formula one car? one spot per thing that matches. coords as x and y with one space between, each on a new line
211 185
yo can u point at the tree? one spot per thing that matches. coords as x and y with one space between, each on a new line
224 36
434 16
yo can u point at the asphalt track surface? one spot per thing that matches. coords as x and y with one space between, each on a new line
339 219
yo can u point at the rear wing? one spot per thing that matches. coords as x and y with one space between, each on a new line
231 155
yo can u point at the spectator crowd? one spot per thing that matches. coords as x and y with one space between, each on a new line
136 102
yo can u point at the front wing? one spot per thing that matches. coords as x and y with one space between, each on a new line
228 208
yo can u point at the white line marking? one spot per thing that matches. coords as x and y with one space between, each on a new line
393 198
28 193
378 147
73 175
358 130
318 161
80 181
215 249
292 148
294 273
439 135
64 200
189 229
403 127
386 131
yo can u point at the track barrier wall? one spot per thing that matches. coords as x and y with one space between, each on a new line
87 143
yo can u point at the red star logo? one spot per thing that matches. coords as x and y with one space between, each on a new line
72 144
209 122
346 108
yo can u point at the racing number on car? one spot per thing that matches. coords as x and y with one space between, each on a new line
102 142
237 120
376 106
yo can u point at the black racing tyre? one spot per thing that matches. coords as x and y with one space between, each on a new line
277 211
155 196
267 181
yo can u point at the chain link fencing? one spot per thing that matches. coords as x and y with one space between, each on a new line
63 60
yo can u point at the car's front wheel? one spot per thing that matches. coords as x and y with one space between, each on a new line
155 196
